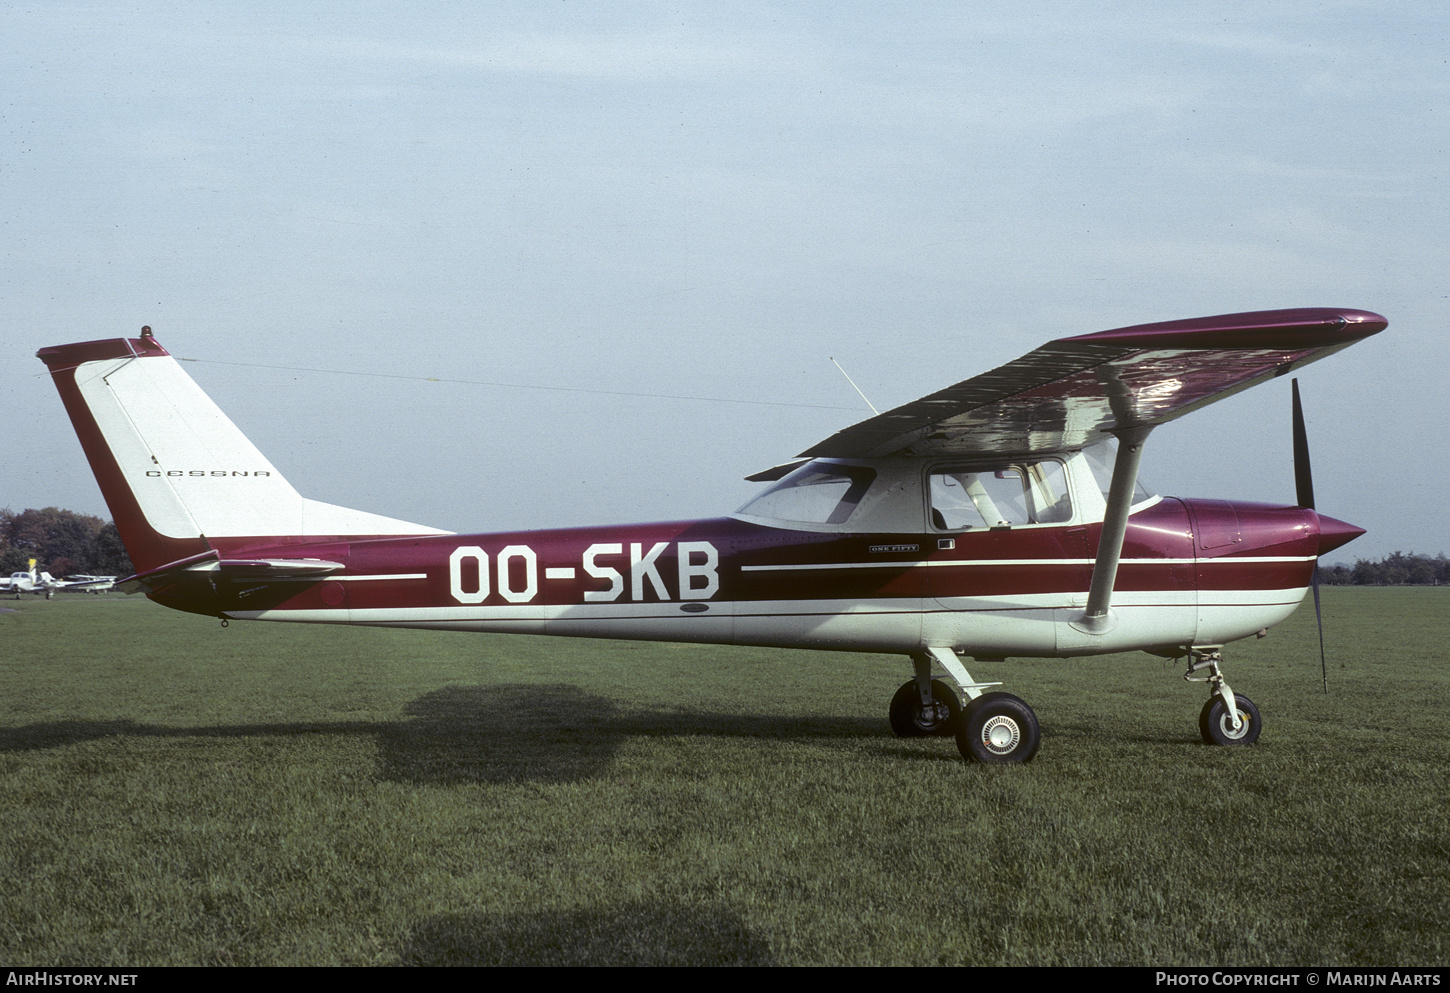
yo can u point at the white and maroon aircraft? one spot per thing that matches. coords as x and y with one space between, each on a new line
982 521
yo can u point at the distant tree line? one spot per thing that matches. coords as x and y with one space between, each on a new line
1395 569
63 543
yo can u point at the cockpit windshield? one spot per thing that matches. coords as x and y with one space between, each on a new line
816 493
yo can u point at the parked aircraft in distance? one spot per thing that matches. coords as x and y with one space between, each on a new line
44 584
985 521
37 583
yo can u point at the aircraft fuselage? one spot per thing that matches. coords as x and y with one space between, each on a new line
1192 573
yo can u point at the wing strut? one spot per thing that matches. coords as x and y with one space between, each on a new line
1098 617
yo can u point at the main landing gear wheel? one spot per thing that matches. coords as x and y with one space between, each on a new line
1216 728
909 719
998 729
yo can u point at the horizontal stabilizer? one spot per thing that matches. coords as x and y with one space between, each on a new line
211 563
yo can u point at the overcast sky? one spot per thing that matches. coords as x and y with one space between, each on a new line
613 206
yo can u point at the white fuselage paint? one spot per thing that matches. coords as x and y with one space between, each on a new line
1023 625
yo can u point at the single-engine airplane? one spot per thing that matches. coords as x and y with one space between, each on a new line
983 521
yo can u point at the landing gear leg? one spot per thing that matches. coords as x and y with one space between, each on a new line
1227 718
924 707
994 729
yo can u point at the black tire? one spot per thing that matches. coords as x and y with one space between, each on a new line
998 729
1214 726
908 720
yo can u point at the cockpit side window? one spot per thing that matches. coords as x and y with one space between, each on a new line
999 495
816 493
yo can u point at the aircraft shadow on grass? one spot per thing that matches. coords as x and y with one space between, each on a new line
634 934
514 733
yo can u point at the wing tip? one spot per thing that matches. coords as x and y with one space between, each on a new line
1304 327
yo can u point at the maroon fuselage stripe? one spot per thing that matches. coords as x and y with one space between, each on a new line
759 563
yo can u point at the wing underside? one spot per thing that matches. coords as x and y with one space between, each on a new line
1075 392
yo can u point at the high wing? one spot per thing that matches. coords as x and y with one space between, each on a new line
1075 392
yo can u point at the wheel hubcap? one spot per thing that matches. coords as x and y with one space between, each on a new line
1227 726
1001 735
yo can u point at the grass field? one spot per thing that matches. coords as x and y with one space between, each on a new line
176 793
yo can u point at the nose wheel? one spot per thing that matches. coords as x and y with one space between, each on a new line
1216 728
1228 718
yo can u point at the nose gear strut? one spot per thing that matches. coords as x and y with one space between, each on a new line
1227 718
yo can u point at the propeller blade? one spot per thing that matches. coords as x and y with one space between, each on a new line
1304 494
1303 478
1319 619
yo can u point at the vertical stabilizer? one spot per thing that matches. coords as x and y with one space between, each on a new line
175 471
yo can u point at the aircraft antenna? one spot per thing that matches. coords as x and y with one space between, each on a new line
854 386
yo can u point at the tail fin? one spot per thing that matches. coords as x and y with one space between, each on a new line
175 471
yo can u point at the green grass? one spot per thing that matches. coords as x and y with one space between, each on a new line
176 793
